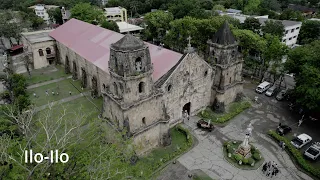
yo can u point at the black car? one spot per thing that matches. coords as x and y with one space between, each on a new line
283 130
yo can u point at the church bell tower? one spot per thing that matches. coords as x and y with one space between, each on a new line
227 62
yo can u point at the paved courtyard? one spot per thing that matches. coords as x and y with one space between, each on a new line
208 156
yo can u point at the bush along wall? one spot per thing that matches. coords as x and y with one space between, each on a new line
298 156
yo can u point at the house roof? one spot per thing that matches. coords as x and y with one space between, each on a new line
286 23
93 43
224 35
37 36
126 27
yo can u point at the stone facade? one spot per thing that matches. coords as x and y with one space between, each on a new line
147 109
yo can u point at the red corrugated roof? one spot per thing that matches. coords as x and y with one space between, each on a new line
16 47
93 43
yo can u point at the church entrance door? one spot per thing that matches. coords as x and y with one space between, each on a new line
187 107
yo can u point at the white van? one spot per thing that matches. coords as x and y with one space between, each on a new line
263 87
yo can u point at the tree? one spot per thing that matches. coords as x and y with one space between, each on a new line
183 8
252 7
303 62
290 14
273 5
158 23
310 31
218 7
86 12
274 28
10 26
252 24
55 15
110 25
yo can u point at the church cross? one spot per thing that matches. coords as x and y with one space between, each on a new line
189 39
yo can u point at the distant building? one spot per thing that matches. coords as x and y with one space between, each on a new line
125 27
117 14
41 46
291 33
41 11
307 11
104 2
65 14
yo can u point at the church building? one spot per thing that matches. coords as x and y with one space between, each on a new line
147 88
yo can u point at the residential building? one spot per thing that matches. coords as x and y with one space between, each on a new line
41 10
66 14
125 27
117 14
291 30
148 89
41 46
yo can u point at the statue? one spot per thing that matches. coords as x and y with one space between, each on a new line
245 148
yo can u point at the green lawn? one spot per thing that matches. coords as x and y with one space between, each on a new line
45 74
232 110
62 87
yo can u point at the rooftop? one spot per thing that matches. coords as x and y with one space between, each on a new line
113 10
93 43
38 36
126 27
224 35
285 23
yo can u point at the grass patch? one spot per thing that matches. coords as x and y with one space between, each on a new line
232 146
45 74
200 175
181 142
234 109
62 87
296 155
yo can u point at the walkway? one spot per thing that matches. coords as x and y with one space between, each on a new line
71 98
48 82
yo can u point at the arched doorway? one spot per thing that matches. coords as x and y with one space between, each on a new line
67 66
94 91
187 108
84 78
75 72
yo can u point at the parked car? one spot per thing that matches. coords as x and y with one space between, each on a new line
263 87
271 91
301 140
205 125
313 151
281 95
283 130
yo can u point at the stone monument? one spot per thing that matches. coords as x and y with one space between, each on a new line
244 148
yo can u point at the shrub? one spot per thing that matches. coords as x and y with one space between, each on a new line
250 161
245 160
230 149
296 154
256 156
187 134
238 157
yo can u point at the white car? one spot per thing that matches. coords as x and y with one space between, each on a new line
313 151
301 140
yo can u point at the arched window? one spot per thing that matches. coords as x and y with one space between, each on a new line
115 88
104 87
141 87
169 87
205 73
48 50
40 52
138 64
144 121
230 80
115 64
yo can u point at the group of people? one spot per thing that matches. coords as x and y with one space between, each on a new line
270 169
47 93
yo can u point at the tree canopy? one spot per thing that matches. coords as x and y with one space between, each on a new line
310 31
252 24
158 23
304 61
88 13
110 25
274 28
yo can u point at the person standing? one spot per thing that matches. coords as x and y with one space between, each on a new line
47 94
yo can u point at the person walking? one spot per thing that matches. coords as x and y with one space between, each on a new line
300 121
283 146
34 95
70 93
47 93
264 168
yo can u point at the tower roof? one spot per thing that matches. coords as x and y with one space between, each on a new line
224 35
128 42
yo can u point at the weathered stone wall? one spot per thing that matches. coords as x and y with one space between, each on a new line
230 94
147 140
190 82
41 61
90 69
145 114
112 111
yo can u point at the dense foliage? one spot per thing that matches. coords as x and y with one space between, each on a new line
310 31
304 61
111 25
87 13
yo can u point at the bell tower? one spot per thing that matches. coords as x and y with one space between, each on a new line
227 62
131 70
